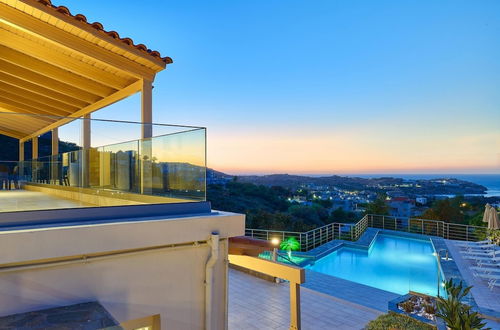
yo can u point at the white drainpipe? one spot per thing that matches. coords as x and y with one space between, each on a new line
209 279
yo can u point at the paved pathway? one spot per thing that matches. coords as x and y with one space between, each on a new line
258 304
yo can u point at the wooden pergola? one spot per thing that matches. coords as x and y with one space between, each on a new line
56 64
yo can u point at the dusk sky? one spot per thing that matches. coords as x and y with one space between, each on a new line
323 86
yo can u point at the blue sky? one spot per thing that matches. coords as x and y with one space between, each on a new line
323 86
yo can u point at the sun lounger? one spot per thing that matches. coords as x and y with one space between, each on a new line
486 270
489 276
486 253
489 259
468 244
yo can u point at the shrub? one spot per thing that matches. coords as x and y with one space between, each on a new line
408 306
394 321
458 316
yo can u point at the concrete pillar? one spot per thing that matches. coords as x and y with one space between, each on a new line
34 156
34 148
55 141
146 109
21 151
54 160
85 152
146 134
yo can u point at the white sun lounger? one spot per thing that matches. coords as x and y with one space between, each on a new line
489 276
486 253
487 270
489 259
468 244
481 248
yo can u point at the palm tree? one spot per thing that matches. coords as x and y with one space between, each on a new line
290 244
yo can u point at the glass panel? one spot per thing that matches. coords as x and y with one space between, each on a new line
162 169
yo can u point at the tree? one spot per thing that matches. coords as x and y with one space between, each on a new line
448 210
378 206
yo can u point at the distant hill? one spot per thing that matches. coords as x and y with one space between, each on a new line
444 186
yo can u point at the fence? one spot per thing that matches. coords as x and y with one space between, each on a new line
353 231
316 237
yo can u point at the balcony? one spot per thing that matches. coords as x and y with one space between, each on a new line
167 168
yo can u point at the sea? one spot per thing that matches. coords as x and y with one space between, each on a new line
490 181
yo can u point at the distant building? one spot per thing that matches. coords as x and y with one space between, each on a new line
401 207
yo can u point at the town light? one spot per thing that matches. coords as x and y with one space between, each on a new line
275 241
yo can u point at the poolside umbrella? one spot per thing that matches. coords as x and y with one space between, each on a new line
486 215
494 222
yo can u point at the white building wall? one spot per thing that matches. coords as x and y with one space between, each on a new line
169 282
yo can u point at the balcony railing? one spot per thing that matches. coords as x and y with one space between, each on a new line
168 167
353 231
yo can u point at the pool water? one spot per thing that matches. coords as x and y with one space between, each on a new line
393 263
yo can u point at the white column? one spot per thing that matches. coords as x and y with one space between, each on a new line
21 151
85 159
54 161
146 109
146 134
34 157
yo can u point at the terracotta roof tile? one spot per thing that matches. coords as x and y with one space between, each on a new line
113 34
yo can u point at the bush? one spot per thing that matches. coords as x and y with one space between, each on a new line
394 321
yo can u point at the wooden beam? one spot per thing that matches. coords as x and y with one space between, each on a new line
53 84
22 94
272 268
51 71
40 90
72 42
121 94
54 57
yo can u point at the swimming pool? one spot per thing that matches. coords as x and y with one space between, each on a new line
393 263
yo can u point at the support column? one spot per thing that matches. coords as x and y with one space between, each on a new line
34 156
20 166
21 151
146 134
85 159
54 160
146 109
295 306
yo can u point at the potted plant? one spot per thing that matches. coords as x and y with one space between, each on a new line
457 315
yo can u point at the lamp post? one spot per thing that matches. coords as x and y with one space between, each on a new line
275 242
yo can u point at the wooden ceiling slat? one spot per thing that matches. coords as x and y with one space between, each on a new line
37 89
8 111
48 70
55 58
21 124
46 82
11 133
24 94
70 41
30 106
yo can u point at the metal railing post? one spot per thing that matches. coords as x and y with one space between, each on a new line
267 235
422 224
383 222
467 233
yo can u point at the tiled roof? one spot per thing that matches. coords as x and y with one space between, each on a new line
113 34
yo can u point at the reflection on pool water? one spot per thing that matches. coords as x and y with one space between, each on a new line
393 263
